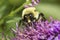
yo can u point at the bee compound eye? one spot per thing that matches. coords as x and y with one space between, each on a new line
25 16
30 15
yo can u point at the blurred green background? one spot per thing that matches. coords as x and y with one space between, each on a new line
50 8
11 10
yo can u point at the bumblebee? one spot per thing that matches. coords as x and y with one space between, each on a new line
30 14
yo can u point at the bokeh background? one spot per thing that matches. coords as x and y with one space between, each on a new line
11 11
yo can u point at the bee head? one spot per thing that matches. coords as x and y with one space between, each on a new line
29 14
28 17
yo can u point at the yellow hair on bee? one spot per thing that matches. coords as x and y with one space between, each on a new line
30 10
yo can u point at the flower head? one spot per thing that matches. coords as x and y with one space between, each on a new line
42 30
32 4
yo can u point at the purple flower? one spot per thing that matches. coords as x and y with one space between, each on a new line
42 30
32 4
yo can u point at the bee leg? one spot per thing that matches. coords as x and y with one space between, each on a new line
41 17
20 23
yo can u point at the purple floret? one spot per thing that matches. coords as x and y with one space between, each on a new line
32 4
42 30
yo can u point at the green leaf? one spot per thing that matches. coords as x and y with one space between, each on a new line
13 20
